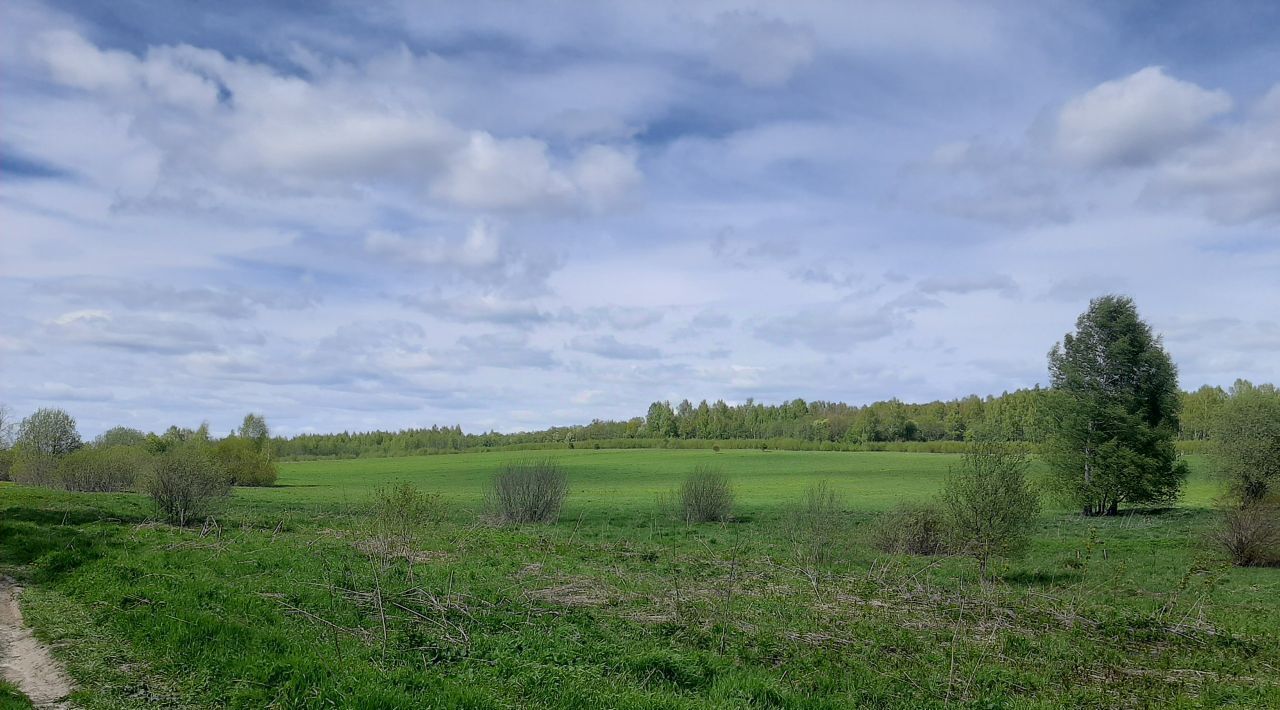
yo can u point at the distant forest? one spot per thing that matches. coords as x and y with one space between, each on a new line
797 424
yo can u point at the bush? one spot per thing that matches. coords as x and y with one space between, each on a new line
528 492
1250 534
185 482
6 464
397 515
814 524
244 462
34 468
94 470
989 508
910 529
706 496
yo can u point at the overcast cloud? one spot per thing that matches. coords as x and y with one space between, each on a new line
350 215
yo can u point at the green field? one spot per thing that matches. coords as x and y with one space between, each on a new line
618 605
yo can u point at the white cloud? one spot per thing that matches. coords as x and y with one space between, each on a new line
1237 175
331 131
1136 120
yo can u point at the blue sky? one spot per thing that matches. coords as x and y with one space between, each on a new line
382 215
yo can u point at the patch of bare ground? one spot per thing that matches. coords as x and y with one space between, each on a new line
25 661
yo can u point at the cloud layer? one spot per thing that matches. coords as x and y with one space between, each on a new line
504 217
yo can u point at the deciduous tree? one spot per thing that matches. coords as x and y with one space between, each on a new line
1114 410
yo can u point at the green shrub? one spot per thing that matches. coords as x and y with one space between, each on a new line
34 468
989 508
244 462
706 496
6 464
185 482
528 492
94 470
910 529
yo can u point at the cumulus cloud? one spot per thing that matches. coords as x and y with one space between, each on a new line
1148 139
326 131
1237 176
1136 120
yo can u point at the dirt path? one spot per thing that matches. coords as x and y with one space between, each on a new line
26 662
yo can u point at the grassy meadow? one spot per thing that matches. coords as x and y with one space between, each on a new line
278 604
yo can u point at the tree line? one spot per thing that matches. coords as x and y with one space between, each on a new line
46 449
1022 415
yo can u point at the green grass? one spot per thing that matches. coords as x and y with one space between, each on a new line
11 698
619 606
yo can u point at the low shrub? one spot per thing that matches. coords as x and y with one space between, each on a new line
910 529
244 463
1250 533
527 492
706 496
397 517
106 470
6 464
185 482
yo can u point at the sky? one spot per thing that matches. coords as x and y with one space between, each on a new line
355 215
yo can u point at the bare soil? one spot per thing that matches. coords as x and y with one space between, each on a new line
25 661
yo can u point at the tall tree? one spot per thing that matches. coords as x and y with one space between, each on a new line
1114 407
49 432
254 428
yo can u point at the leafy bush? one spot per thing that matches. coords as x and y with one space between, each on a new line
988 505
34 468
185 482
6 464
706 496
528 492
1250 533
814 525
244 462
94 470
910 529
